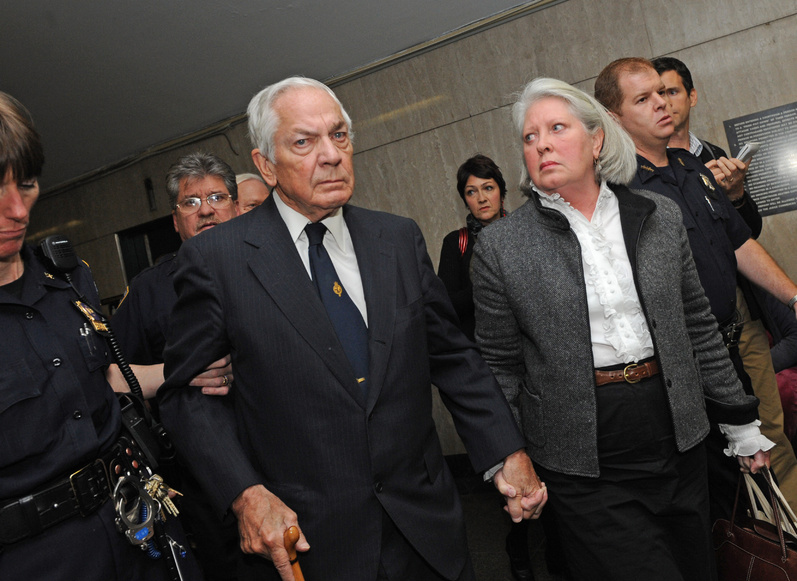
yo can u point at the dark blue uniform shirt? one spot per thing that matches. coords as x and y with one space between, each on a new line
57 412
141 323
714 227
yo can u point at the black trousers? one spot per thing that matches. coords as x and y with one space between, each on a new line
646 516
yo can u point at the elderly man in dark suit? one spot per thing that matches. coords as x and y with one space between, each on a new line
337 326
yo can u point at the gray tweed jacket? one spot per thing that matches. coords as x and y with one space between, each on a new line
532 325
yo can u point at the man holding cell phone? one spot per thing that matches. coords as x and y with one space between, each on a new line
729 172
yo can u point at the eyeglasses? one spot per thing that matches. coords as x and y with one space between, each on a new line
191 205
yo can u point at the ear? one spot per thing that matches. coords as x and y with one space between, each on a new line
174 219
693 97
597 143
265 167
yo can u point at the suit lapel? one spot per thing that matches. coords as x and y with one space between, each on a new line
376 259
280 271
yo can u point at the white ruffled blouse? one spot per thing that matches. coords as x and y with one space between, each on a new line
618 327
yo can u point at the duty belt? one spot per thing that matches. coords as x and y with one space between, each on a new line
731 330
80 493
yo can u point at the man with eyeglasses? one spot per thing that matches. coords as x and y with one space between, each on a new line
202 192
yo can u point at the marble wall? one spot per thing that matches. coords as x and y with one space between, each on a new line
417 120
741 59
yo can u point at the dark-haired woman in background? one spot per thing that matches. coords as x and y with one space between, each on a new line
482 187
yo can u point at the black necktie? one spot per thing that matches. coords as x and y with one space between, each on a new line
345 317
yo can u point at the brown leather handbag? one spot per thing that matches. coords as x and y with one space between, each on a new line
755 547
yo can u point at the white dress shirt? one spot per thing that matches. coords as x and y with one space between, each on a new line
337 242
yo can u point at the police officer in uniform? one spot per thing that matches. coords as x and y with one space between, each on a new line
59 418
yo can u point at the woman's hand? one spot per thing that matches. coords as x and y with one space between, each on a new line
752 464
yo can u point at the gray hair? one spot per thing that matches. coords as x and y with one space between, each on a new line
196 166
263 119
617 159
245 177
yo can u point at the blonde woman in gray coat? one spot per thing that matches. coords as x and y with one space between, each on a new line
591 315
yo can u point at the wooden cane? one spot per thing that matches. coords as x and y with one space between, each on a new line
291 537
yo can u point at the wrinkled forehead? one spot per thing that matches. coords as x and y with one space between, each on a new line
191 186
299 106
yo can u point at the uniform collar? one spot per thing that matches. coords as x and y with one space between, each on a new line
37 278
676 157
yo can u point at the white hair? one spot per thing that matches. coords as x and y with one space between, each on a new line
245 177
263 119
617 159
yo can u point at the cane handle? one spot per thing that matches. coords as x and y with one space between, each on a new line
291 537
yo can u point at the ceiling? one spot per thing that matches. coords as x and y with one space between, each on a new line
106 80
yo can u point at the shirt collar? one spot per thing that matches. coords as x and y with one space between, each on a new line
556 201
695 145
296 222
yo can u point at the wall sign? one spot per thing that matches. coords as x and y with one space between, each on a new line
772 177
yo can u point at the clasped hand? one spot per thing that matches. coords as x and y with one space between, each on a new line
518 482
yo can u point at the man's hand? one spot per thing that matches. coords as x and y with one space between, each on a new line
729 174
748 464
262 520
216 378
518 482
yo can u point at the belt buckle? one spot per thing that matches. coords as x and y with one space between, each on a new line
628 378
97 498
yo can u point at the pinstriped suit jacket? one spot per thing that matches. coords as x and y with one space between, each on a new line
297 421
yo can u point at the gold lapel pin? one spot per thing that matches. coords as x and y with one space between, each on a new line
337 289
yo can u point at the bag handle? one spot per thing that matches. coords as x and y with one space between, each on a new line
780 508
773 510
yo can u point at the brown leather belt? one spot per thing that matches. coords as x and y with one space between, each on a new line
632 373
